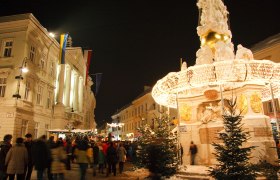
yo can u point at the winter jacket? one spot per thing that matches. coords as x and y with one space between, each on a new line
122 154
101 156
28 146
58 155
17 159
112 155
83 156
4 148
95 154
41 155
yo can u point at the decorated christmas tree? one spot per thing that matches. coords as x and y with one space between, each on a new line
157 149
232 155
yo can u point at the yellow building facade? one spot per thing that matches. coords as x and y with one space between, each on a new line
29 104
142 110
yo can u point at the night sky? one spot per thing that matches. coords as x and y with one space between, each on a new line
137 42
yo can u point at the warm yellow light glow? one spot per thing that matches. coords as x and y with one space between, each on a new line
52 34
237 72
218 36
226 38
24 70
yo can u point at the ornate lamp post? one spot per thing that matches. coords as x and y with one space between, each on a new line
23 69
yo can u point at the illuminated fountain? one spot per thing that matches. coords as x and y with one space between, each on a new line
199 91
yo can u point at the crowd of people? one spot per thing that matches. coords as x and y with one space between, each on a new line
52 157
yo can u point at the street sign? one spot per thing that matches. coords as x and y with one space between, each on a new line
183 128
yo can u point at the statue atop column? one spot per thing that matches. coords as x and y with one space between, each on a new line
213 23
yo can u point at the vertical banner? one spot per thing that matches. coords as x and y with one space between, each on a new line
63 42
97 81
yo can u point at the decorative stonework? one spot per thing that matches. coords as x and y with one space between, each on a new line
242 104
185 112
256 103
262 132
210 135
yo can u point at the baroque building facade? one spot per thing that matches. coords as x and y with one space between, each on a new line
29 101
269 49
141 111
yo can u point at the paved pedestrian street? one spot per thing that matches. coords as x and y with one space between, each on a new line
74 174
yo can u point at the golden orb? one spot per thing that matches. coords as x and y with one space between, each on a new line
211 38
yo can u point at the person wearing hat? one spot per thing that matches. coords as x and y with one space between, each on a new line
28 144
4 148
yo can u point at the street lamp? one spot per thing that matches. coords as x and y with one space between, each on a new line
23 69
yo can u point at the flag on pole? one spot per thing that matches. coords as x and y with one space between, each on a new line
63 42
96 80
89 53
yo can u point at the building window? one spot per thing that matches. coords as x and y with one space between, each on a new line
39 95
49 100
36 130
24 127
8 45
27 90
42 63
51 69
32 53
3 84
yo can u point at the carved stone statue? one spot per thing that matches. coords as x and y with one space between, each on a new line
243 53
214 16
211 113
224 51
204 56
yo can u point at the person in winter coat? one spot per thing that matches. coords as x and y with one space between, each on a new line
111 159
193 151
58 156
16 160
41 156
101 158
28 144
83 154
4 148
122 157
68 148
95 158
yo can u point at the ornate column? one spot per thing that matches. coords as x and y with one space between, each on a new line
81 88
61 84
67 86
76 89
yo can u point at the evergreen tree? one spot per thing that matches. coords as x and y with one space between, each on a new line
233 159
157 149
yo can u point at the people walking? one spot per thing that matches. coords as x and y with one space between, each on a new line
58 155
95 158
122 157
83 157
193 151
4 148
28 144
41 156
111 159
101 159
16 160
68 149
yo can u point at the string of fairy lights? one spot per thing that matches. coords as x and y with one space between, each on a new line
238 72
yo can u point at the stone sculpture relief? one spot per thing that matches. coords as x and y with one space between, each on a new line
243 53
204 55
